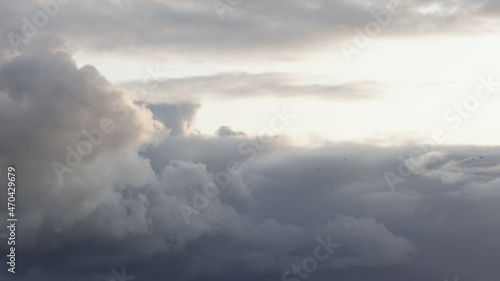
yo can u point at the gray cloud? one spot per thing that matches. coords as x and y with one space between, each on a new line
244 85
115 197
267 26
382 233
176 117
120 207
54 113
225 131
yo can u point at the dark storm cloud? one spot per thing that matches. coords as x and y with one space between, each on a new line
266 228
244 85
421 214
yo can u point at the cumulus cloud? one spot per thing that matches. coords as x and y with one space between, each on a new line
372 242
106 181
134 196
176 117
63 121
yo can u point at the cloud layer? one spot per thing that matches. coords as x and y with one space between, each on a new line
108 181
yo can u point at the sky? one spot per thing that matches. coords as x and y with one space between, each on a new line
250 140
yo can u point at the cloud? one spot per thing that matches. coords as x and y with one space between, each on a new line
176 117
244 85
56 115
225 131
438 165
106 181
373 243
301 26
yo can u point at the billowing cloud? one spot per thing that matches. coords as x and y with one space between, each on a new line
176 117
107 181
